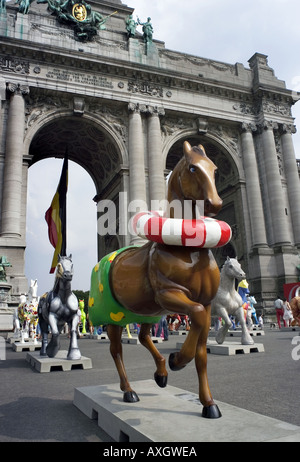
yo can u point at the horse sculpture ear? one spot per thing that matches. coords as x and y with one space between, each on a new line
187 151
187 147
202 148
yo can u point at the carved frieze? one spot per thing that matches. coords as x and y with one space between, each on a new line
15 66
145 88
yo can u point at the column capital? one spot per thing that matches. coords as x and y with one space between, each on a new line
248 127
288 129
17 88
155 110
267 125
146 109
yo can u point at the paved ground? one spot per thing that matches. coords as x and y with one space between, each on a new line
39 407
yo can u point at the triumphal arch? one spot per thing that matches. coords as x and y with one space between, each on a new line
90 77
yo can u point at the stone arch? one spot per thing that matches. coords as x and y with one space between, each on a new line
91 141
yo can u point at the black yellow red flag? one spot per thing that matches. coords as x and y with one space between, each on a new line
56 217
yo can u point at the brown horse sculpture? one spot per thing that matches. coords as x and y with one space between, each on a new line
157 279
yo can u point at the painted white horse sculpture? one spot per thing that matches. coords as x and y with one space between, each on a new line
228 302
28 313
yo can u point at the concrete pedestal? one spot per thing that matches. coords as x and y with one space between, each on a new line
171 415
230 348
178 332
102 336
28 345
134 340
60 362
233 348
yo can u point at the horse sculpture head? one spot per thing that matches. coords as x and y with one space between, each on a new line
233 269
195 177
64 268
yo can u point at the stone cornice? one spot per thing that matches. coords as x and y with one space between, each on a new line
23 58
24 54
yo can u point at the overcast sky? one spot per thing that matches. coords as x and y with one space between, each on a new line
223 30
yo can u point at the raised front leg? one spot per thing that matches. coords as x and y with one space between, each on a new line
176 301
115 334
161 374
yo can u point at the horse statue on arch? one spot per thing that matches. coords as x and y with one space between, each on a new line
57 307
140 284
228 302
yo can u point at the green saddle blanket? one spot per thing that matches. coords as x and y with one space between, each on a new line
103 307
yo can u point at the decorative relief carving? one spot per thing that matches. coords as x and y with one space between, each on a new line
276 108
173 56
244 108
37 107
15 66
145 88
116 118
227 135
172 125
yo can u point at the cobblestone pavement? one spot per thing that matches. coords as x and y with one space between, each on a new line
39 406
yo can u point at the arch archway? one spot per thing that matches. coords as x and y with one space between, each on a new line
81 223
90 145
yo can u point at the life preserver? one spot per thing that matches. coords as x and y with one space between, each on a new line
204 232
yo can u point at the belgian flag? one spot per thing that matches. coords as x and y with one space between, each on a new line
56 217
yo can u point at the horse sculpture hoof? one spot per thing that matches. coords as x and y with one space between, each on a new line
172 365
74 354
211 412
161 380
53 346
130 397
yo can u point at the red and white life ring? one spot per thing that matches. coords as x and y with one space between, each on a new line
204 232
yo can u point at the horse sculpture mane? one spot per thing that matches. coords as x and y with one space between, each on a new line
136 284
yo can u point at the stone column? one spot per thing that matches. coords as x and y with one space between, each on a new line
137 182
292 177
157 186
12 181
273 181
257 221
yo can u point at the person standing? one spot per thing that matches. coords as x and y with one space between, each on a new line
279 311
287 313
163 326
